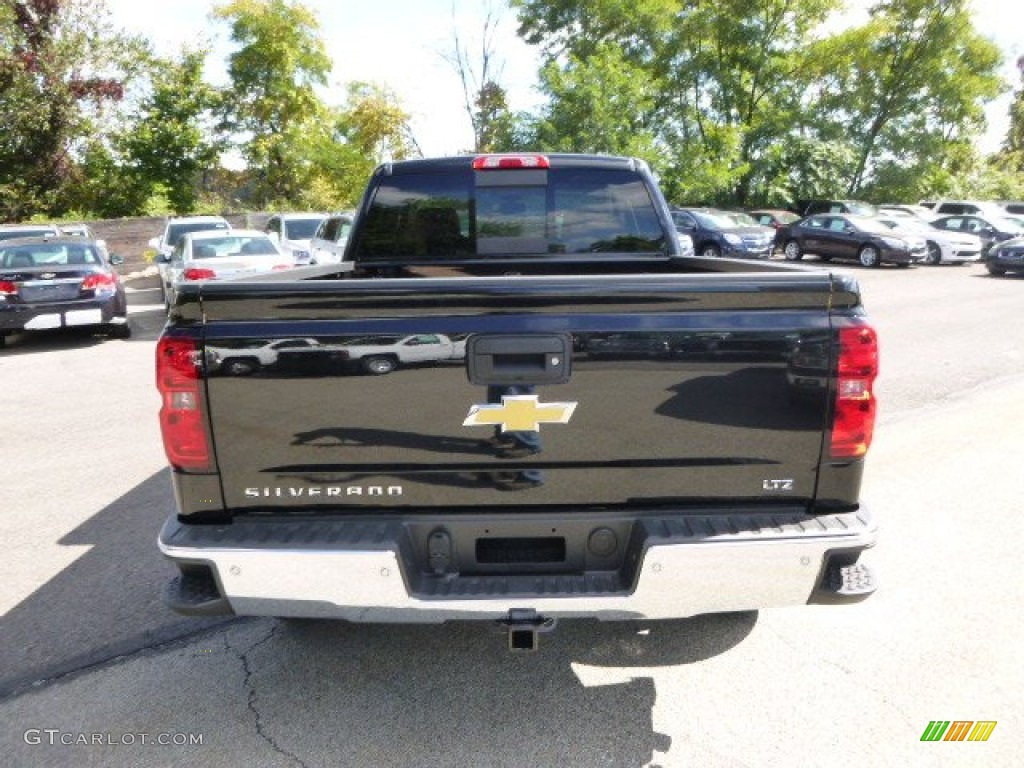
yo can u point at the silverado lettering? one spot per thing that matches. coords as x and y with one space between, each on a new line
350 490
721 411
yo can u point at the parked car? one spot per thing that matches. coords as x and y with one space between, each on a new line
383 353
845 236
173 230
81 230
716 233
856 207
60 282
293 232
944 246
328 243
959 207
12 231
77 230
906 209
991 229
1016 208
776 218
1006 256
686 247
249 357
217 255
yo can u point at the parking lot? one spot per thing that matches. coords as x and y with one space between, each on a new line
95 671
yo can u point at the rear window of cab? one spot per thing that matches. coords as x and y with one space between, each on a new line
503 214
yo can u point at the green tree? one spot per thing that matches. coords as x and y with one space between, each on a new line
706 91
755 100
906 89
735 76
600 103
1015 133
171 142
1011 156
272 103
62 66
341 150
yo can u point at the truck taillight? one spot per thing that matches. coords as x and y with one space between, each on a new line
182 422
854 422
198 273
506 162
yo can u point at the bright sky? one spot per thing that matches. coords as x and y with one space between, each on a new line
400 44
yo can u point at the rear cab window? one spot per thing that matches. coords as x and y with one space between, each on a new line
463 214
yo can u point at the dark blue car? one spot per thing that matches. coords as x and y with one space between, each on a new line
724 233
1005 256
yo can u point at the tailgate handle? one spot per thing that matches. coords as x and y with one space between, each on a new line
493 359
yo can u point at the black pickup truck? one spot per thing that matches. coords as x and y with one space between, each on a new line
624 433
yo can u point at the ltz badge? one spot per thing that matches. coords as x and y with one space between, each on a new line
519 413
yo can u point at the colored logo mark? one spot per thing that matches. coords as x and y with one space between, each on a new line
519 413
959 730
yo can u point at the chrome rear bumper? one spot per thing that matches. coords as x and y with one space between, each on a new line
671 566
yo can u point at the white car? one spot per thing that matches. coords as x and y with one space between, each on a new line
13 231
173 230
685 244
383 354
944 246
220 255
328 244
293 231
246 359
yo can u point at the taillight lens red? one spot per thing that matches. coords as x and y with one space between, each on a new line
182 422
506 162
279 267
100 283
855 410
197 273
7 288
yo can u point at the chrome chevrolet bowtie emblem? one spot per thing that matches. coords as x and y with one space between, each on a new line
519 413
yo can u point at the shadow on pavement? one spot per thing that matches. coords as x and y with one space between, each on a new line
379 695
107 603
370 695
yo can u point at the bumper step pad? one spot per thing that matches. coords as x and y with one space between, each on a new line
851 580
196 594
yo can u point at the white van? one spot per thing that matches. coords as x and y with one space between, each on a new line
293 231
328 244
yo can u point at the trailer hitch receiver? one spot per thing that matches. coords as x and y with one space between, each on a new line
523 625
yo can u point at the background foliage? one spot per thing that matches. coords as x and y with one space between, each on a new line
737 102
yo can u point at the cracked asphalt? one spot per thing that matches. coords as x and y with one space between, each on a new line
95 672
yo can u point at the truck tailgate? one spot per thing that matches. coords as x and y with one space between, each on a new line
682 389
